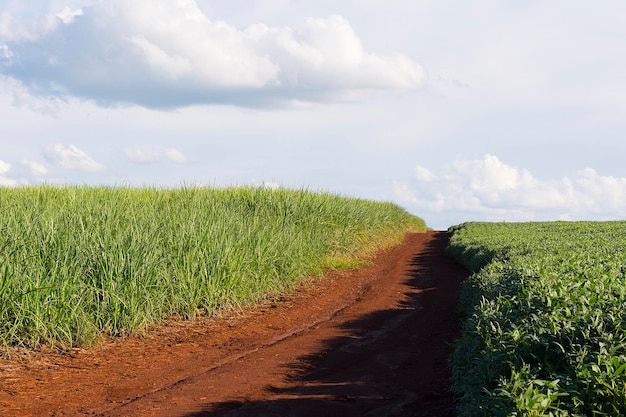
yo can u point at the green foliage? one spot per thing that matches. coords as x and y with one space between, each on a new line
545 329
77 263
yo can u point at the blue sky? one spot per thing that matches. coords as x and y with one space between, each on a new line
456 110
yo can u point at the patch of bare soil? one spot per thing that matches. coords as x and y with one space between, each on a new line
368 342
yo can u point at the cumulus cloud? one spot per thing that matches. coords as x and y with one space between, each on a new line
489 189
70 157
36 169
166 54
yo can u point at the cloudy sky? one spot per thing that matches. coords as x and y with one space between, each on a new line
457 110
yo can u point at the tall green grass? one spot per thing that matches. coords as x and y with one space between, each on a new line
77 263
545 329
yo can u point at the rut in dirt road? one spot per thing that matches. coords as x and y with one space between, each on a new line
387 354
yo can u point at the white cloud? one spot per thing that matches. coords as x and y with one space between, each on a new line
67 15
4 167
23 24
490 189
70 157
176 156
161 53
8 31
491 179
601 192
22 97
424 174
36 169
5 52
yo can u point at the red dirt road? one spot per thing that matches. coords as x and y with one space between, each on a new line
369 342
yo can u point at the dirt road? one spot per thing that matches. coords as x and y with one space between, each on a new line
369 342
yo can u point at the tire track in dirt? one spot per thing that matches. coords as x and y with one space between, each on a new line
230 359
373 341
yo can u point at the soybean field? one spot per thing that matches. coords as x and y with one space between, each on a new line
544 319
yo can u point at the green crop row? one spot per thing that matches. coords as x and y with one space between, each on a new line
545 319
80 263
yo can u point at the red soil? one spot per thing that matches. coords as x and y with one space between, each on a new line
368 342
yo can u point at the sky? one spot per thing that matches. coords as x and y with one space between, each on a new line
455 110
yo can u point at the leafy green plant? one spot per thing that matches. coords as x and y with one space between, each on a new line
545 319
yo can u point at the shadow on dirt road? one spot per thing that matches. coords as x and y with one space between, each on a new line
389 362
